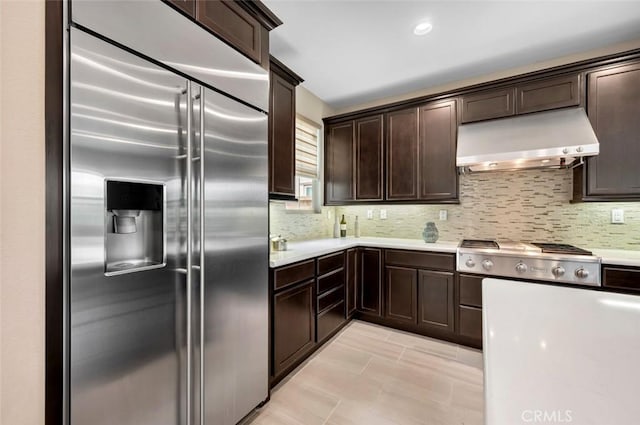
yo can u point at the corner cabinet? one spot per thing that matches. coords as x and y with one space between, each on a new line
408 155
370 282
354 161
282 130
613 106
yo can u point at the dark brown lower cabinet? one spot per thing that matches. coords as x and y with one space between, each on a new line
436 302
370 285
470 322
330 320
352 281
469 308
401 294
294 330
621 277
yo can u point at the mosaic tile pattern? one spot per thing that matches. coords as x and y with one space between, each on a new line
531 206
296 226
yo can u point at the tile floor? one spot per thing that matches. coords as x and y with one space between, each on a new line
372 375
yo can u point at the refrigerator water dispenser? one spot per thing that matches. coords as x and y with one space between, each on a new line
134 219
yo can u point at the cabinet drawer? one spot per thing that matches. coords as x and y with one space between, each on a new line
330 298
330 320
470 290
621 278
330 262
550 93
488 104
470 322
421 260
328 282
288 275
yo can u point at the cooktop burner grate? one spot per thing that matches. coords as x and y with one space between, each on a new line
559 248
478 243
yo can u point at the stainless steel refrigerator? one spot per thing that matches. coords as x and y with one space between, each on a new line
168 223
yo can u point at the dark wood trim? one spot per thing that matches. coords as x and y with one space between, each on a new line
612 59
261 12
54 204
284 71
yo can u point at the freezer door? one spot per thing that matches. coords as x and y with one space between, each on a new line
235 281
128 303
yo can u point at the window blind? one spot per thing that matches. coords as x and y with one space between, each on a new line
307 133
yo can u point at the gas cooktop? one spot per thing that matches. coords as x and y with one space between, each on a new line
536 261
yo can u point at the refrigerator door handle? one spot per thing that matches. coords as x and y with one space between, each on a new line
202 252
189 253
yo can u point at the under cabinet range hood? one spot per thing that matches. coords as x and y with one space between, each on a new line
553 139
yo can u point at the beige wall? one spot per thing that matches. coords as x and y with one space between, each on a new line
311 106
22 212
615 48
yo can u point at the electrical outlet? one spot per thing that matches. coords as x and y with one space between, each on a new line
443 215
617 216
383 214
329 214
369 214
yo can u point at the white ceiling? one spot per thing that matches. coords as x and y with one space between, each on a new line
354 51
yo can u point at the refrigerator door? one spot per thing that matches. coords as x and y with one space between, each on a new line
128 121
235 280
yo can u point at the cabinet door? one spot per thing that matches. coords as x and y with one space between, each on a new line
294 330
550 93
234 25
436 306
614 108
402 155
352 280
282 137
368 143
488 104
339 175
370 285
470 325
187 6
438 136
401 294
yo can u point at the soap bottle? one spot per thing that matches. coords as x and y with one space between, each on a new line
356 229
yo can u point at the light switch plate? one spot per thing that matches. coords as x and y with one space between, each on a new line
617 216
383 214
443 215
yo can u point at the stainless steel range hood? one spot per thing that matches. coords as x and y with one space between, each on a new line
552 139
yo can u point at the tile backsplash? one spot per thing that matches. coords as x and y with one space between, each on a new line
531 205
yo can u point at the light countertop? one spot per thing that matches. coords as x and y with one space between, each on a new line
619 257
298 251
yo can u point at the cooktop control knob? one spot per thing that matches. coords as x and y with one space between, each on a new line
470 263
487 264
521 267
558 271
582 273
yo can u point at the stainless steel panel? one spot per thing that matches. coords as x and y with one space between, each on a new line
127 332
236 260
156 30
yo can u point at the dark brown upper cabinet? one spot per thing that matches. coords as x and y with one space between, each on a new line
282 130
549 93
438 177
613 103
187 6
339 163
402 155
436 303
234 25
489 104
401 294
369 158
370 281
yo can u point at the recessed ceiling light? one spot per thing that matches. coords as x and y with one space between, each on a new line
423 28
